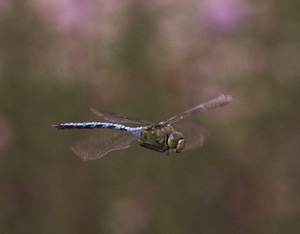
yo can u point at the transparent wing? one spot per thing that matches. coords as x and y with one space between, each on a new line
96 147
116 118
213 103
193 133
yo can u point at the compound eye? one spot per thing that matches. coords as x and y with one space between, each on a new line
181 145
174 139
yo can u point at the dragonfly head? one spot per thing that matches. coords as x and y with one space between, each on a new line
176 141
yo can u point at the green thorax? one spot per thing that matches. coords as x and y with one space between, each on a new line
166 137
157 135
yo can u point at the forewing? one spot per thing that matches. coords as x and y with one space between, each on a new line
96 147
193 133
116 118
213 103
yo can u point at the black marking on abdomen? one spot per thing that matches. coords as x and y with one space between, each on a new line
91 125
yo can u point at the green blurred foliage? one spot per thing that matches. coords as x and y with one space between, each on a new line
150 61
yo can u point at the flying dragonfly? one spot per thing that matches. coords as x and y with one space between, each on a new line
161 137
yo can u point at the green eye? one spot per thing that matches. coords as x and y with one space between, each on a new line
174 139
180 146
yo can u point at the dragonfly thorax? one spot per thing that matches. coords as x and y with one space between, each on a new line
163 139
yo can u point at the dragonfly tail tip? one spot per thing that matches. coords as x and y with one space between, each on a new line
55 126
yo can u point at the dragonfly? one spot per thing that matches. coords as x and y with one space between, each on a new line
160 137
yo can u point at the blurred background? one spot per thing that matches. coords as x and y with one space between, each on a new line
151 60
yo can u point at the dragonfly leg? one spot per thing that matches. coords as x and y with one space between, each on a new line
166 145
157 148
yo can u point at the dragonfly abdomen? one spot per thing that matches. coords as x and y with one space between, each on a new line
92 125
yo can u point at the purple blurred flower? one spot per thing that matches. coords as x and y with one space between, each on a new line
65 14
4 6
226 15
73 13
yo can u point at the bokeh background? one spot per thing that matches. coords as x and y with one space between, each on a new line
151 60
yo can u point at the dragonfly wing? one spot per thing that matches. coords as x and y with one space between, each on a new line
213 103
96 147
193 134
116 118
